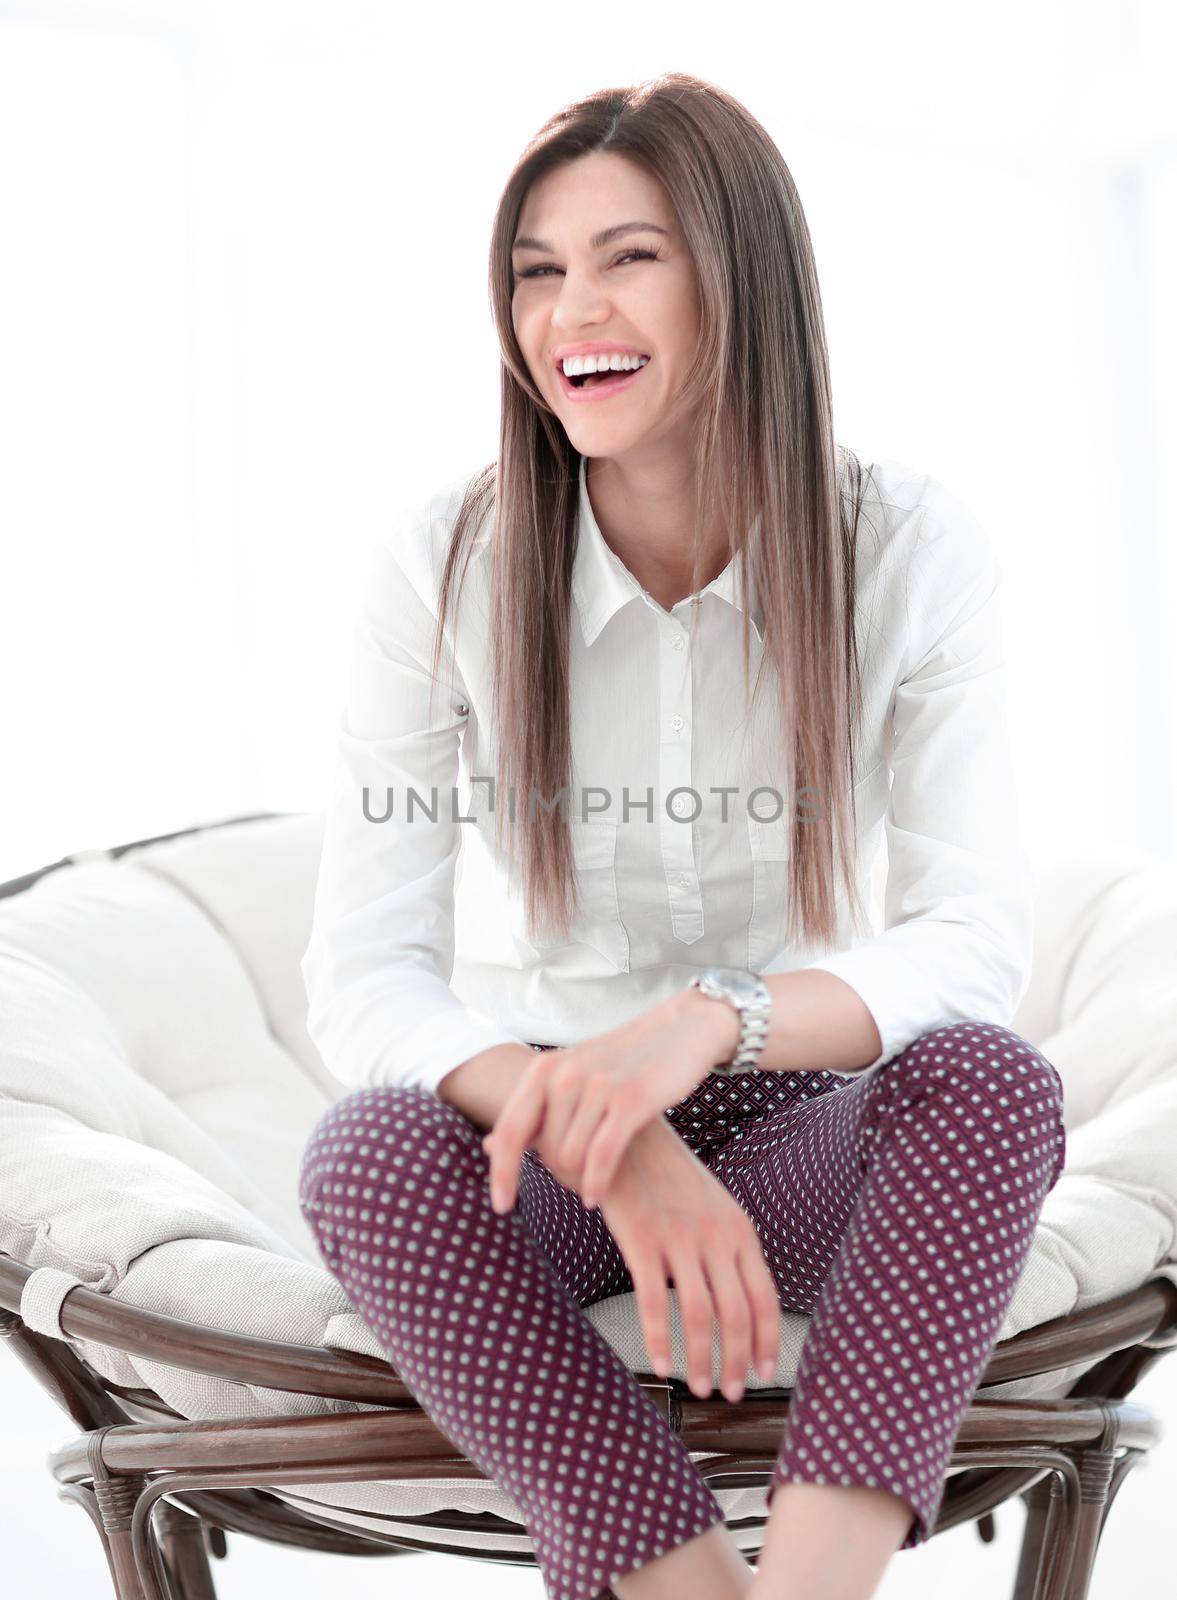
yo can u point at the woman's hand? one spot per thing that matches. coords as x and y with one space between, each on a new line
588 1101
671 1217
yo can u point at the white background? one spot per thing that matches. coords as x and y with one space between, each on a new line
244 318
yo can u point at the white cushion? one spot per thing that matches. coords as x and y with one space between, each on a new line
157 1087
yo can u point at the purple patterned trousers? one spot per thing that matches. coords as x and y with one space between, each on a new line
895 1207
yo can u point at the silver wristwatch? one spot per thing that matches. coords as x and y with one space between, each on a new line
750 997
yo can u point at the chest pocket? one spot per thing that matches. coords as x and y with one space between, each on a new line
770 845
594 851
771 849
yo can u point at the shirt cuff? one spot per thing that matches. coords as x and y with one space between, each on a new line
440 1043
896 997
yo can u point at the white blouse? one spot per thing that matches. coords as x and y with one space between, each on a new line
418 956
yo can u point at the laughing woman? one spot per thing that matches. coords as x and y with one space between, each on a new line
668 1047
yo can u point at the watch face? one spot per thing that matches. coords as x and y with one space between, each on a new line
743 985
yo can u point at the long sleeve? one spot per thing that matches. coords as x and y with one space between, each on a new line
958 922
381 952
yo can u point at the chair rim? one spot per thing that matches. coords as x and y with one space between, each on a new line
1146 1315
1137 1317
1005 1447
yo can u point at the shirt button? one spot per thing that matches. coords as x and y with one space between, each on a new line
677 642
684 881
676 723
462 709
679 803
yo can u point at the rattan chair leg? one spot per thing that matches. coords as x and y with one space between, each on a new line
1043 1540
1037 1500
184 1549
117 1498
80 1494
116 1502
1095 1476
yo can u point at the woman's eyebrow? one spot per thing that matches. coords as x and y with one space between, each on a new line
606 236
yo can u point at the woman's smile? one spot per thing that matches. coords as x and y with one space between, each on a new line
598 386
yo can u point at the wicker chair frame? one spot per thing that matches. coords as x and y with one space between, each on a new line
162 1495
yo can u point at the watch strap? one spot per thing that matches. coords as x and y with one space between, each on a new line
754 1012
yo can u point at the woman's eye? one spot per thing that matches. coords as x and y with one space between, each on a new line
638 255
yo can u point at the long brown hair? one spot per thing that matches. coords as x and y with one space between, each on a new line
767 462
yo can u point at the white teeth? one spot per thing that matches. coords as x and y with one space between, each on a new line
575 366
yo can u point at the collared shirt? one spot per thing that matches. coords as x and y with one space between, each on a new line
419 956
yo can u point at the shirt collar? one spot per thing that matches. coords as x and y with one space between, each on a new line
602 583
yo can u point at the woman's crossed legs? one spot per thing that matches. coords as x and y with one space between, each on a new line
895 1207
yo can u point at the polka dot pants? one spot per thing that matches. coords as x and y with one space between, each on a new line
895 1207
